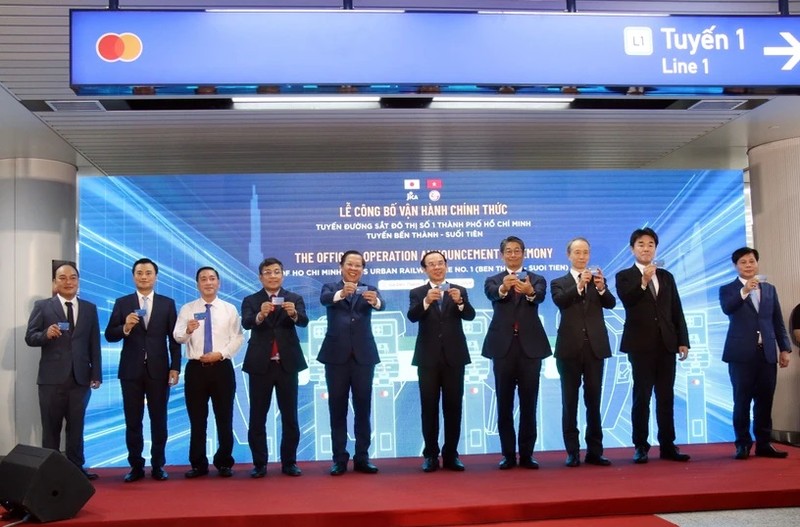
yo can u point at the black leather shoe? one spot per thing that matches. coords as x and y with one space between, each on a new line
454 464
91 476
640 456
133 475
225 472
431 464
573 460
159 474
770 451
196 472
291 470
337 469
365 467
507 463
673 454
259 471
594 459
528 462
742 452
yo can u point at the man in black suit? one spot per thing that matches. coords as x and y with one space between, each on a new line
350 354
654 333
68 331
516 343
273 360
581 348
440 355
149 364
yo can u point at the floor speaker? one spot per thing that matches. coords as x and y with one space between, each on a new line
43 483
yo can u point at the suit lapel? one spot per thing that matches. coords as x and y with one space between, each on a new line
58 309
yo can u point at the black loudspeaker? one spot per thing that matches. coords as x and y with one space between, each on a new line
43 483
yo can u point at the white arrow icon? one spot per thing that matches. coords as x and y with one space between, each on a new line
793 50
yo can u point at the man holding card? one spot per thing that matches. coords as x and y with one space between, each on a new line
212 332
440 355
149 364
67 330
350 354
654 335
516 342
273 360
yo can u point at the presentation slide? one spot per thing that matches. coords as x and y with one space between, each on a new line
307 221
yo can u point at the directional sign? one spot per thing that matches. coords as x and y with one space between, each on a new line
126 48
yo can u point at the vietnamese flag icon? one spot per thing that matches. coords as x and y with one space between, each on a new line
433 184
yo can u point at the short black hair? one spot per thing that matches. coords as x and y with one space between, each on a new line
422 262
348 253
143 261
647 231
511 239
267 262
58 263
65 264
743 251
204 268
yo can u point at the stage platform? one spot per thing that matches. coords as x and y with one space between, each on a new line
402 495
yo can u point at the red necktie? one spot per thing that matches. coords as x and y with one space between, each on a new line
273 355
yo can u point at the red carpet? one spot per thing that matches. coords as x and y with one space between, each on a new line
402 495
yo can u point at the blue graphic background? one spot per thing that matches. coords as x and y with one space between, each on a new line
232 221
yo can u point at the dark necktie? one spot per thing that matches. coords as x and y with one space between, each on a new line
652 287
273 354
70 316
208 345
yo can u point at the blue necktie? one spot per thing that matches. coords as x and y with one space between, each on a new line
208 345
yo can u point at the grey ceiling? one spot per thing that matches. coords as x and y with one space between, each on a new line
34 66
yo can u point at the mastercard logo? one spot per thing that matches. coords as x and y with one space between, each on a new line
113 47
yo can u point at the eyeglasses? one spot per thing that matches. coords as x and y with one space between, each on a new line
440 263
274 272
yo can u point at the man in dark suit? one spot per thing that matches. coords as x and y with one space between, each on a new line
756 341
149 364
440 355
516 343
581 348
654 333
67 330
273 360
350 354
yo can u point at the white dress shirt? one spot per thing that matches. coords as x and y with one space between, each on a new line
226 328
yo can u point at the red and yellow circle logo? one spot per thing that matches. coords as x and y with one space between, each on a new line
113 47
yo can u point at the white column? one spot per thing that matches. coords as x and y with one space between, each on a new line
775 195
38 203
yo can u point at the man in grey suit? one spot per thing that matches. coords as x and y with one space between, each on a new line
67 330
581 348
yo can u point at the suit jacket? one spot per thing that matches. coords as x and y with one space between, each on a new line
581 317
745 323
515 308
646 316
440 330
349 327
156 342
75 351
278 326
